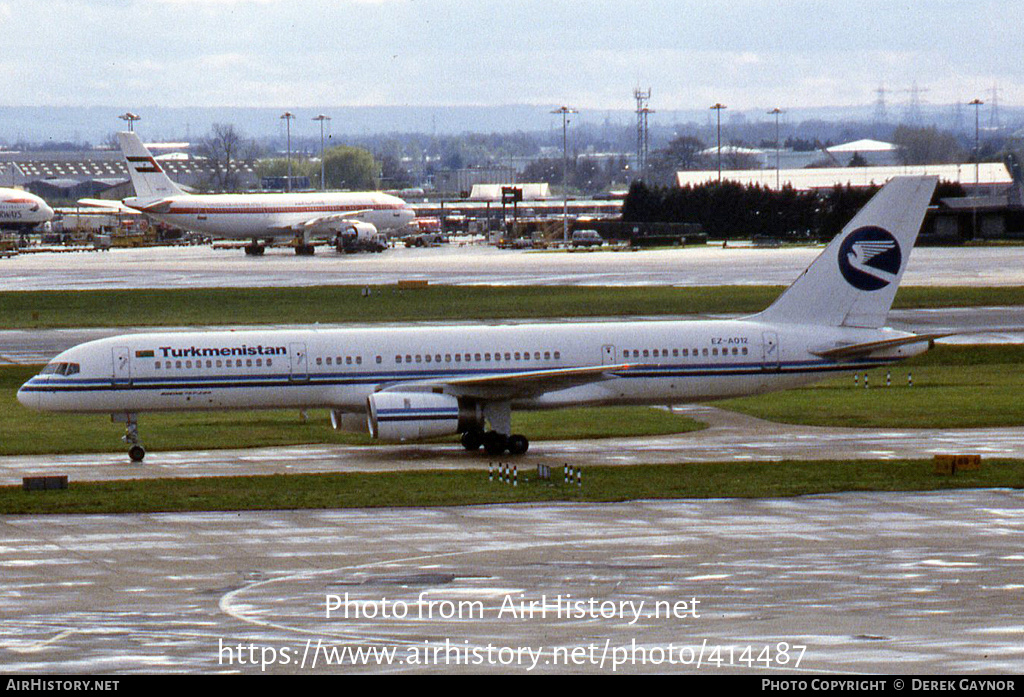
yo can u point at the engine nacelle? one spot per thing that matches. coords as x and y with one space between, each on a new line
414 415
358 236
347 421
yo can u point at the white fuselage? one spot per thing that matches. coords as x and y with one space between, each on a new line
20 209
265 216
659 362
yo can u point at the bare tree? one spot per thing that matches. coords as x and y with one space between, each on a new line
222 148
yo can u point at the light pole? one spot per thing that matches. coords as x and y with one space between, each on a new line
130 118
718 110
776 111
288 116
977 157
565 111
321 118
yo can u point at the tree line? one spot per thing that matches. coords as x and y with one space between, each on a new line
729 210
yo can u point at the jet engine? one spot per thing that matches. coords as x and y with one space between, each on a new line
356 236
413 415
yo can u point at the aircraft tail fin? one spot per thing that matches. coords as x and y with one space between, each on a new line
853 282
148 177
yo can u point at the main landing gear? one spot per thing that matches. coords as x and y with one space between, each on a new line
136 452
255 249
494 443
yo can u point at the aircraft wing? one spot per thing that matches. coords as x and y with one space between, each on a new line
115 206
520 385
868 347
322 222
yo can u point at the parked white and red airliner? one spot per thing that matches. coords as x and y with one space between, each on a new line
20 210
260 217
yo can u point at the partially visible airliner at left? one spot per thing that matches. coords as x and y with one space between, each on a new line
420 382
22 211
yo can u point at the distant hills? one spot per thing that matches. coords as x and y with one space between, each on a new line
96 124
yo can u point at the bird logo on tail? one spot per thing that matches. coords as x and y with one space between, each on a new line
870 258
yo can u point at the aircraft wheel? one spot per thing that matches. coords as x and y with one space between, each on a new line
517 444
136 453
472 440
305 250
495 443
254 250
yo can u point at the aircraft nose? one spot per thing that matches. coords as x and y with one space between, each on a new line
27 398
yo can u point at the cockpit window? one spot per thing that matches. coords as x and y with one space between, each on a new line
61 369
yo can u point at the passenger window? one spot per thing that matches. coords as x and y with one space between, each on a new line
220 363
536 355
487 356
319 360
329 359
419 358
359 360
379 359
157 365
248 362
447 358
458 357
259 362
437 358
177 364
645 353
558 355
428 358
705 352
547 355
476 356
188 364
744 350
398 359
269 362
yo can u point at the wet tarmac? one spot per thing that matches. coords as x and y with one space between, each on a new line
852 583
730 437
203 266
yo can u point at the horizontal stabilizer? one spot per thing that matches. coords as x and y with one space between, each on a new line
868 347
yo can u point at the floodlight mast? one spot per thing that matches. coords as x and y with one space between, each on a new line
565 111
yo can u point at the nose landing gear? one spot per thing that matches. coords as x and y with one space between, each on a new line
136 452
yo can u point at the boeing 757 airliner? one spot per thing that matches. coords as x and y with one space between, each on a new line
420 382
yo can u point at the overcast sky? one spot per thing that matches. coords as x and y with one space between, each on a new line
587 53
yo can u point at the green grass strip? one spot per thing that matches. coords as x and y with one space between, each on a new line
337 304
953 387
464 487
